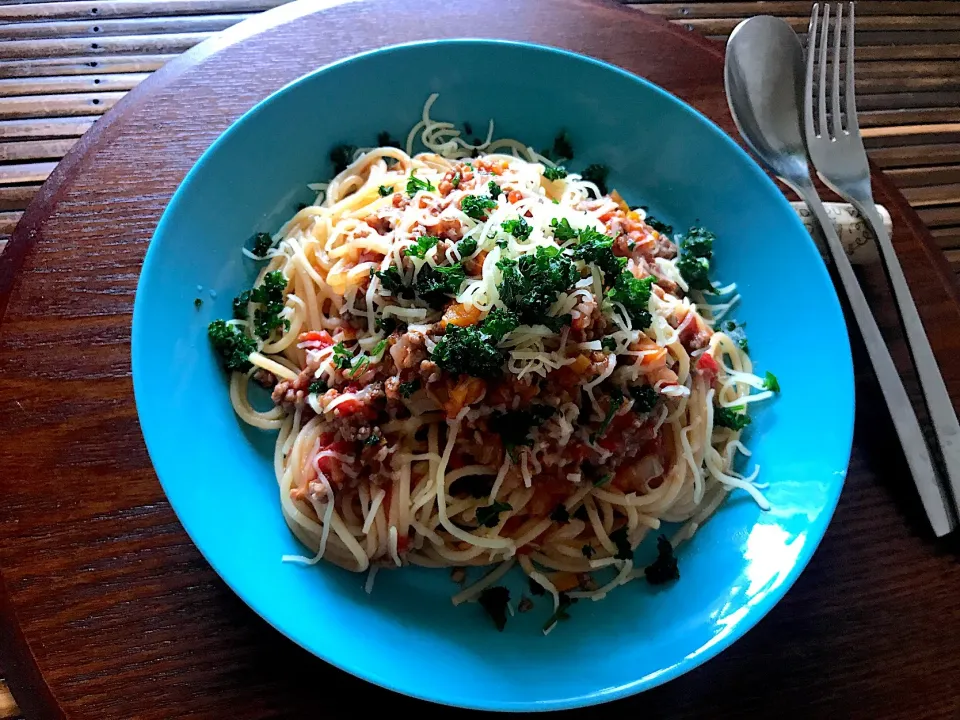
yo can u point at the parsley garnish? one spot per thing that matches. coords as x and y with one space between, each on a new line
233 345
644 398
262 242
562 148
467 247
372 440
514 426
469 351
476 206
317 387
342 358
415 184
736 332
561 614
421 246
341 156
634 295
519 228
240 310
409 388
270 296
494 600
555 173
562 230
560 514
620 539
499 322
595 247
384 190
588 551
392 281
660 227
386 325
731 417
494 190
601 481
696 251
608 344
770 382
597 174
197 303
489 515
433 284
455 181
616 402
531 285
664 568
385 139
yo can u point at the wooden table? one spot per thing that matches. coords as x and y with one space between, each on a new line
108 611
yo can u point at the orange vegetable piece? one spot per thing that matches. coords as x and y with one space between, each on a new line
461 315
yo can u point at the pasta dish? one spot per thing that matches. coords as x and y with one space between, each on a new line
479 357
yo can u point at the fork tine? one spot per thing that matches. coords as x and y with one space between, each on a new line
808 88
850 93
835 119
822 87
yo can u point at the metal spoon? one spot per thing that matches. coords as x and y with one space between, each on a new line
764 77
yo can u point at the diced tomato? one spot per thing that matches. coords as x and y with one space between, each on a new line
403 544
315 339
708 367
525 550
351 406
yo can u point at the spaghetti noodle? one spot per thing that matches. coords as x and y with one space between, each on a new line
479 358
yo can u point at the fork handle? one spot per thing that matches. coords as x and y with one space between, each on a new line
901 411
942 414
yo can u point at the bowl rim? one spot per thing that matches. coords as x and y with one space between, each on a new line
363 670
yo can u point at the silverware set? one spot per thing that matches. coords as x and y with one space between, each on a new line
793 112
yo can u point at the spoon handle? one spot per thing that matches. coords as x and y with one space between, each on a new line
901 411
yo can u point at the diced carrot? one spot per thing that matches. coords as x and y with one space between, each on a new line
580 364
654 359
466 392
664 376
514 196
564 581
615 196
461 315
321 337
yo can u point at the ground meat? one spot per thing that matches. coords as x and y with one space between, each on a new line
400 201
429 371
445 229
391 388
265 378
380 224
474 266
636 240
695 335
293 393
409 350
588 322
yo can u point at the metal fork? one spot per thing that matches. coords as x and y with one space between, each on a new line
836 149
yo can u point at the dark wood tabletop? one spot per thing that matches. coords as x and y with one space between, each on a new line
108 611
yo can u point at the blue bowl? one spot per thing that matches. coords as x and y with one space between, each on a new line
406 635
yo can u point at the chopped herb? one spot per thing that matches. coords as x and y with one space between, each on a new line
616 402
489 515
385 139
494 600
514 426
372 440
588 551
386 325
609 344
664 568
409 388
644 398
384 190
469 351
660 227
476 206
476 486
415 184
455 181
467 247
731 417
421 246
562 148
341 156
597 174
392 281
197 303
562 230
269 294
240 302
499 322
736 332
535 587
770 382
696 251
581 512
561 614
434 284
555 173
531 285
560 514
262 242
634 295
601 481
494 190
233 345
519 228
317 387
342 358
378 348
620 539
596 248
